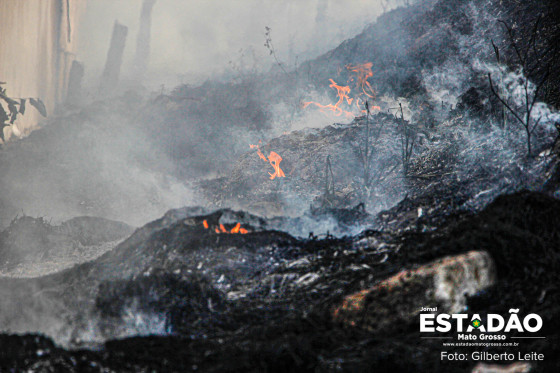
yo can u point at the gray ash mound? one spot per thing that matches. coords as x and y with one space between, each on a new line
29 240
63 304
211 312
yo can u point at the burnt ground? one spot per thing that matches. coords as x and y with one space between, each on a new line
275 313
177 296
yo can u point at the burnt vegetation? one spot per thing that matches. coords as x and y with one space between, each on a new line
527 61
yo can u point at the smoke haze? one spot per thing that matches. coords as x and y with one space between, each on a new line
198 39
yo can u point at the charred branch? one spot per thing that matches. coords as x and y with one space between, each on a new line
523 114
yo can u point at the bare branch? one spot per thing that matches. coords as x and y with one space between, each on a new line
503 102
513 42
536 124
496 51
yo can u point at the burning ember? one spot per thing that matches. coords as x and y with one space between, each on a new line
274 159
222 229
361 74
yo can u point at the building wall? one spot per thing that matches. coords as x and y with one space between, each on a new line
38 40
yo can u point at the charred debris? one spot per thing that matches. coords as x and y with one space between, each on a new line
325 267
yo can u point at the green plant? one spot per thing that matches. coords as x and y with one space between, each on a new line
16 107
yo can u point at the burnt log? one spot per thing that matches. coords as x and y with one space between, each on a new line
110 76
142 56
398 300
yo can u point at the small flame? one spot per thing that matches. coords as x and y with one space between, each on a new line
363 73
343 95
222 229
261 155
363 87
274 159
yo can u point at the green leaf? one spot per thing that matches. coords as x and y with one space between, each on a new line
39 105
8 100
3 115
13 111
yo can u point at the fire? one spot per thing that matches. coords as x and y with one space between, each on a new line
343 95
261 155
361 74
222 229
274 159
238 229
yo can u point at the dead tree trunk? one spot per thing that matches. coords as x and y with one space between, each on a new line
142 57
74 92
110 76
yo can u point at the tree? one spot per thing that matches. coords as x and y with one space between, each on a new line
529 61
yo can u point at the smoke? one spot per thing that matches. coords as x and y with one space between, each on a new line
195 40
96 162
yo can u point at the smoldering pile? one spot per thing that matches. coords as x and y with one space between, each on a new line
229 302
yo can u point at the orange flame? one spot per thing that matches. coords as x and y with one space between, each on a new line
261 155
274 159
363 73
364 89
222 229
236 228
